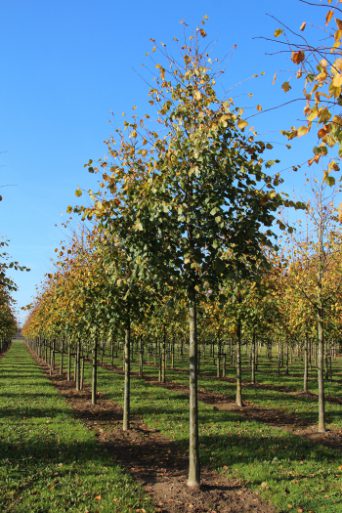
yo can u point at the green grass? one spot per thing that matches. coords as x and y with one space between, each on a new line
289 471
50 462
305 408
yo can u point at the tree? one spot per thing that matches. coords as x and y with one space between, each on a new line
310 275
319 70
203 197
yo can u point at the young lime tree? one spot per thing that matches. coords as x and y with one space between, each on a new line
112 213
202 201
314 275
8 325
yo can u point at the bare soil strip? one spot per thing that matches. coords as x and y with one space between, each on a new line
159 464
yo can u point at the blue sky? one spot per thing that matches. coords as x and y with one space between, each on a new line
68 64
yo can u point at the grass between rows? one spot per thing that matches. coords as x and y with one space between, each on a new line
49 461
292 473
304 407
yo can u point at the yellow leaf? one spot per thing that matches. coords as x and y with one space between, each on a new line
197 95
138 227
302 130
259 108
242 124
337 38
78 193
340 219
303 25
278 32
313 114
337 80
339 23
329 16
337 65
324 115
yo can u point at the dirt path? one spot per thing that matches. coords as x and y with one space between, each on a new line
159 464
277 418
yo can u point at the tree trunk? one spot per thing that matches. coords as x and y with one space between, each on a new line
69 363
78 366
61 367
320 327
94 373
306 364
82 373
111 353
163 357
253 357
127 379
141 361
287 357
238 364
194 463
173 352
320 372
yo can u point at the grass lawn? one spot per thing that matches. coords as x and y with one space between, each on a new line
291 472
304 407
50 462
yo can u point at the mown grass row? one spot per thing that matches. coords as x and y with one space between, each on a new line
50 462
305 407
291 472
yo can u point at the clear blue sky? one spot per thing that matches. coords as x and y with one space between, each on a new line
67 64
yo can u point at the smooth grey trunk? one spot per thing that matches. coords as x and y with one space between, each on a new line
112 353
94 373
173 353
306 364
82 373
320 372
194 462
141 357
163 357
238 364
218 358
280 356
78 366
286 357
69 363
253 358
127 378
61 367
